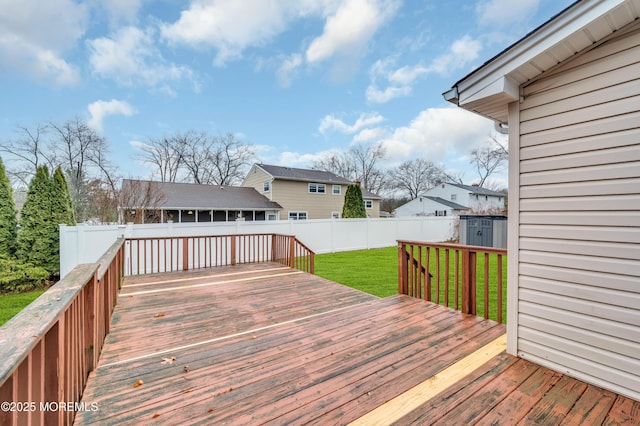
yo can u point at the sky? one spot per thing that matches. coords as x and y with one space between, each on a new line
296 78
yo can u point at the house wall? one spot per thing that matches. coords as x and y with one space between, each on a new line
256 178
295 196
481 203
422 207
577 234
374 211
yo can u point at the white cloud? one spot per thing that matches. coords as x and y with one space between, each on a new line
98 110
462 51
349 29
288 68
122 11
437 133
34 36
491 13
230 26
399 80
130 58
331 122
370 135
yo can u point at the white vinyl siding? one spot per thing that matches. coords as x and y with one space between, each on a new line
578 233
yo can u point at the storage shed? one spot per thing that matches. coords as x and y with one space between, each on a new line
485 231
569 94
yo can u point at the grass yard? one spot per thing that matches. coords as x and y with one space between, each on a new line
372 271
376 272
12 303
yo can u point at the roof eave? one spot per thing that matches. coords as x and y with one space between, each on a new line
490 88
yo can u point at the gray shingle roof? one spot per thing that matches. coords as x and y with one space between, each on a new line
207 197
306 175
478 190
448 203
310 175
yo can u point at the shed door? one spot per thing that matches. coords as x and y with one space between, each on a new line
480 232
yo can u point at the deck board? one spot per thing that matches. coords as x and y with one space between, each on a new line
263 344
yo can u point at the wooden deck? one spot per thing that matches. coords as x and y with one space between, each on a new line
263 343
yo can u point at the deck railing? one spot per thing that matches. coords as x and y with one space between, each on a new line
467 278
49 348
160 254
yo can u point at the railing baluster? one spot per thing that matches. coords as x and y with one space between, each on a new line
413 276
456 278
499 289
486 285
446 277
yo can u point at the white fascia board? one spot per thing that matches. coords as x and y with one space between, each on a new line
504 87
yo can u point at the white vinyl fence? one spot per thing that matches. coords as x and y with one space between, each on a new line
86 243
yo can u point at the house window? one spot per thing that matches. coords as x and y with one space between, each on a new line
266 186
336 189
297 215
368 204
272 216
335 215
317 188
453 197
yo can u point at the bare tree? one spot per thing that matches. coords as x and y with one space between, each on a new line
82 154
230 160
339 164
200 158
79 151
29 151
366 159
489 159
166 155
138 199
414 177
197 153
359 163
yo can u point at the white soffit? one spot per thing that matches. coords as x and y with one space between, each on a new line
489 89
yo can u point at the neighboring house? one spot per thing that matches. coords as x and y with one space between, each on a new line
430 206
452 199
161 202
569 95
305 194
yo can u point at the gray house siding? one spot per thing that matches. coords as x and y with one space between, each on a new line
576 133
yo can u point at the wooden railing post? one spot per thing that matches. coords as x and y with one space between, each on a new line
402 269
233 249
292 253
274 247
468 281
185 253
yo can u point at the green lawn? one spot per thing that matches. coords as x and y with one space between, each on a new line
11 304
376 272
372 271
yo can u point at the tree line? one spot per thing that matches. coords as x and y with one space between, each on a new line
197 157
